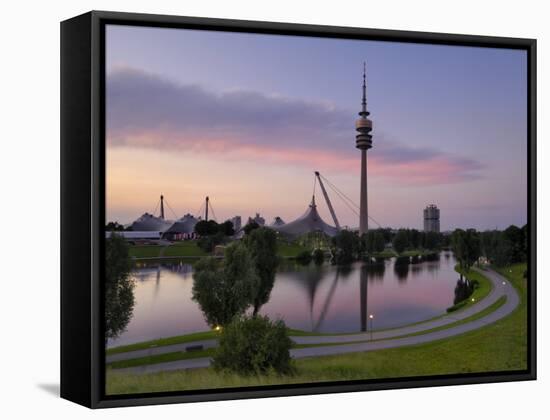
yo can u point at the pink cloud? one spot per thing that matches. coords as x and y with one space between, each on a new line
149 112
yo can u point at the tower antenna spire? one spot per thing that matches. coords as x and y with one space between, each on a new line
364 101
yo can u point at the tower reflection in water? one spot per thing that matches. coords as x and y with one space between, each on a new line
372 271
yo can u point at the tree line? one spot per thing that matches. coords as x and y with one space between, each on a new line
500 248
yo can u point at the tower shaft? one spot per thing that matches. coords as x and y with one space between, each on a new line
363 203
162 207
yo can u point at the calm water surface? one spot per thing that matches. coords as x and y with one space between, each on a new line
322 298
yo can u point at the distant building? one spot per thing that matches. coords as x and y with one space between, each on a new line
258 219
431 219
277 222
236 223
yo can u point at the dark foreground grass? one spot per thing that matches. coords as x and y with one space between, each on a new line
501 346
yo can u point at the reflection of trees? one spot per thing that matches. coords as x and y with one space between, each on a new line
433 266
376 271
401 268
416 269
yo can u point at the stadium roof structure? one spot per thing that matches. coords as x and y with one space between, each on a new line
277 222
310 221
184 225
149 223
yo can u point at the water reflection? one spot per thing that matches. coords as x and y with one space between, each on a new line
314 297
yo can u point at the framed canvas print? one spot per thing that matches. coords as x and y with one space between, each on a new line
255 209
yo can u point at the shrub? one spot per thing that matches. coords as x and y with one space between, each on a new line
318 256
304 257
254 345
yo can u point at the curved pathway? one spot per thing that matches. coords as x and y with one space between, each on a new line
349 343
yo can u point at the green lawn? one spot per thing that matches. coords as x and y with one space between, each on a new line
177 249
416 252
184 249
145 251
289 250
501 346
387 253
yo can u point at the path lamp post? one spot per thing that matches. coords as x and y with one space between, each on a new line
371 317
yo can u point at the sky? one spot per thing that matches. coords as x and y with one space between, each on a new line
246 119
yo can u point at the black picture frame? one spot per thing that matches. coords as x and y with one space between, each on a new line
83 206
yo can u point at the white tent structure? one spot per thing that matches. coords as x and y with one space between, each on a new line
310 221
149 223
183 228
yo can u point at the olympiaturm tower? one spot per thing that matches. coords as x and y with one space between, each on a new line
363 141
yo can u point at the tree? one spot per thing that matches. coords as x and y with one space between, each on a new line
414 238
119 287
227 228
209 242
400 241
373 241
205 228
466 246
250 227
114 227
516 238
262 246
253 346
225 290
346 246
431 240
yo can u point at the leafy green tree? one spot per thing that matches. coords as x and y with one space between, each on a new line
346 247
262 247
318 256
119 286
400 241
373 241
254 346
225 290
516 238
414 238
205 228
114 227
249 227
209 242
466 246
432 240
227 228
304 257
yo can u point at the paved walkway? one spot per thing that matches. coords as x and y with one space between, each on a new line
380 339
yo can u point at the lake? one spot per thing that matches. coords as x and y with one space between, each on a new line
322 298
